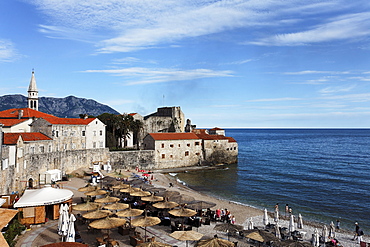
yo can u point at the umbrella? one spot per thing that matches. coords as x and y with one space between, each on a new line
182 199
168 193
277 231
129 190
107 223
300 222
265 218
129 212
182 212
152 198
332 230
250 224
291 224
186 235
154 244
96 193
116 206
87 188
107 199
71 234
229 228
260 235
324 233
97 214
199 205
165 204
60 220
145 221
315 238
121 186
276 216
86 206
215 242
140 193
63 219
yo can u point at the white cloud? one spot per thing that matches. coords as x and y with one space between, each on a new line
346 27
308 72
339 89
8 52
149 76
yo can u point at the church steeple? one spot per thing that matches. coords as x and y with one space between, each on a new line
33 98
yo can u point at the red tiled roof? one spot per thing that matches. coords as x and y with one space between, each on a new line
132 114
12 138
70 121
173 136
11 122
201 133
27 113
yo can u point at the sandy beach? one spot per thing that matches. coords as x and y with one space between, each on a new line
47 233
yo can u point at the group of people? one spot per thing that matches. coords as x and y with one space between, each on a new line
225 215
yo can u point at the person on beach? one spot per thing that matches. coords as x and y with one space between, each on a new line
277 207
357 227
338 224
286 209
218 214
233 219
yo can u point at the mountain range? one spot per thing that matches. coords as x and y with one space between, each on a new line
68 107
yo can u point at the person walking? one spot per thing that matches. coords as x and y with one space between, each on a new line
357 228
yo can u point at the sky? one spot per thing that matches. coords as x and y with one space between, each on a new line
227 63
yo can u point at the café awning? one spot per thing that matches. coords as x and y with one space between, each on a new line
42 197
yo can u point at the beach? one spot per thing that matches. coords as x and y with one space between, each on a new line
47 233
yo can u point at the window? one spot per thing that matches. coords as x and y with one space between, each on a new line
101 132
171 145
50 149
101 144
186 153
179 145
162 145
94 132
83 133
171 156
94 144
197 154
196 143
163 156
32 150
42 149
188 144
56 133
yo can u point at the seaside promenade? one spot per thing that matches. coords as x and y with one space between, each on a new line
47 233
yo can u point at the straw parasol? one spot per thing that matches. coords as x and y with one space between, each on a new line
186 235
140 193
152 198
168 193
165 204
97 214
199 205
145 221
182 199
229 228
215 242
129 212
87 188
121 186
108 199
88 206
96 193
116 206
183 212
107 223
154 244
260 235
130 189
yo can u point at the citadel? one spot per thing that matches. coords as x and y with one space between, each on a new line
33 143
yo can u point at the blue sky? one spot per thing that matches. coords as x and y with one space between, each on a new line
232 63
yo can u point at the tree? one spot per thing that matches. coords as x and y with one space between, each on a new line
138 126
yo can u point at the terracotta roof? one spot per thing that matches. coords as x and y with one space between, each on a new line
132 114
173 136
3 241
70 121
11 122
202 134
12 138
27 113
216 128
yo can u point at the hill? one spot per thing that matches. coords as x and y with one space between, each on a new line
70 107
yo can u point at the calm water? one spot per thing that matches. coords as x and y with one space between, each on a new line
324 174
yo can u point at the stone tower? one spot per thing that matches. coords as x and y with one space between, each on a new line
33 98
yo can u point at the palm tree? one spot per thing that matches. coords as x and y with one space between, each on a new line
138 126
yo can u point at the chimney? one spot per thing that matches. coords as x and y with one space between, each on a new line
20 114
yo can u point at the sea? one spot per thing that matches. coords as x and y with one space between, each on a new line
322 174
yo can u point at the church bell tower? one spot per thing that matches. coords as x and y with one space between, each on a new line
33 98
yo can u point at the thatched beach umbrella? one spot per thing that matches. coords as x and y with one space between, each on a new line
88 206
215 242
87 188
121 186
154 244
260 235
186 235
183 212
98 214
199 205
116 206
152 198
168 193
130 189
96 193
228 228
107 223
107 199
182 199
165 204
129 212
140 193
145 221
